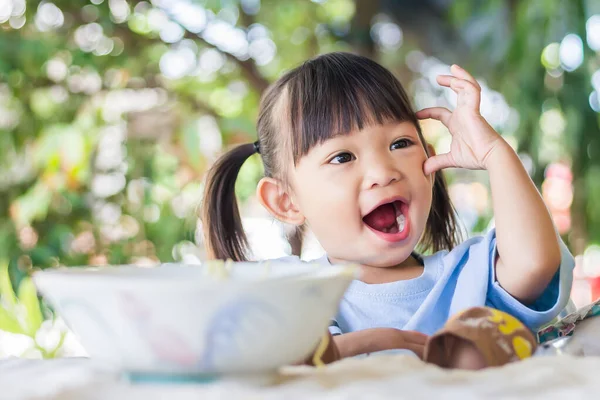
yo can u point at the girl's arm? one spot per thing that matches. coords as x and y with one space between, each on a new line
379 339
527 243
370 341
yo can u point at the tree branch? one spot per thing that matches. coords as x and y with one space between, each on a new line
360 32
248 67
201 106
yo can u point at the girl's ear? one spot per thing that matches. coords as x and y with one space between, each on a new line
272 195
431 152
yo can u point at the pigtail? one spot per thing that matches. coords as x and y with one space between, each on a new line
442 231
224 234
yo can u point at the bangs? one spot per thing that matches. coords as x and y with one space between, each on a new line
337 93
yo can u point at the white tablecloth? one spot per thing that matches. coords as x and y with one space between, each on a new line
369 378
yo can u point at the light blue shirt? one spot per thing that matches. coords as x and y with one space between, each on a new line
451 282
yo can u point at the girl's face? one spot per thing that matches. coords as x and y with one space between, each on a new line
364 195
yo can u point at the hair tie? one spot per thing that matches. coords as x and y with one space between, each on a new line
257 147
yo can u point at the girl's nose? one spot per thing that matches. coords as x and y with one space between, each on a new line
381 173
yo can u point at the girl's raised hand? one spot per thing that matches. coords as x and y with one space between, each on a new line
473 139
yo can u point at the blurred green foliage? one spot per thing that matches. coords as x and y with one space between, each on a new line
20 313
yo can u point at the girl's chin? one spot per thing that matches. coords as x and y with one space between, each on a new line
393 258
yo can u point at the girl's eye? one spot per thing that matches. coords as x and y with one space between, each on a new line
342 158
401 144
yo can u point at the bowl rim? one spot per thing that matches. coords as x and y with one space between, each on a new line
97 275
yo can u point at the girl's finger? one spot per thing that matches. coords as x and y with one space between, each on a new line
454 83
446 80
462 74
415 337
440 113
438 162
468 94
416 348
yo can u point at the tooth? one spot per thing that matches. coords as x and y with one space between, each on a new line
401 221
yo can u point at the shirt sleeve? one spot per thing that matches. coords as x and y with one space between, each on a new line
334 328
551 302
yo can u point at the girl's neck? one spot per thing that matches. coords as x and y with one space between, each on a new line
410 268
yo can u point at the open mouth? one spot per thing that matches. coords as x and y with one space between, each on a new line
388 218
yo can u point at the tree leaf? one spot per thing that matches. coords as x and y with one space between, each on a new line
28 297
6 289
9 322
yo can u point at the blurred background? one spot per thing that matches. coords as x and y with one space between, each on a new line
111 111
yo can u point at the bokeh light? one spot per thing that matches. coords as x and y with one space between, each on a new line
387 34
14 11
190 15
592 28
171 32
557 191
178 62
591 261
551 56
571 52
119 10
227 38
594 101
553 122
48 17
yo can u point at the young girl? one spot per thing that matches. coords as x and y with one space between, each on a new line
344 155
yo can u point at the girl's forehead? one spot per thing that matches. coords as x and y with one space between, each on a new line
404 128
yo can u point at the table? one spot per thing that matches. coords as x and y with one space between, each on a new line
375 377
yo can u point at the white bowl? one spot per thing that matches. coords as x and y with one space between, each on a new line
214 318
